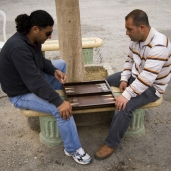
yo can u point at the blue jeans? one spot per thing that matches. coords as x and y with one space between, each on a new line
122 119
30 101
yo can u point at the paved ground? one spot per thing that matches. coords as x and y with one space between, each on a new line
20 148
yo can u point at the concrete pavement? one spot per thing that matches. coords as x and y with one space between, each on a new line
20 148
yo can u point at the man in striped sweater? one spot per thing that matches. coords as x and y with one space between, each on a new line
143 80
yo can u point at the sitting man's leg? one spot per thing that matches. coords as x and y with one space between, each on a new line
114 79
67 128
122 119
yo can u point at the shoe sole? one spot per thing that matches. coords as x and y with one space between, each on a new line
67 154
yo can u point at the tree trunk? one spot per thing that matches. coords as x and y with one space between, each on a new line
70 40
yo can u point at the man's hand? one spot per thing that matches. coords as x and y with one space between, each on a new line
60 76
65 110
121 102
123 86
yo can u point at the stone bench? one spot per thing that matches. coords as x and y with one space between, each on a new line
87 47
49 134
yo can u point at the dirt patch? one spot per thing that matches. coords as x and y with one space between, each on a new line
95 73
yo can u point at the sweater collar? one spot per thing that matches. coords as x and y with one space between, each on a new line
150 36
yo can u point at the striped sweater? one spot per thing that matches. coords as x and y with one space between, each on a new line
150 63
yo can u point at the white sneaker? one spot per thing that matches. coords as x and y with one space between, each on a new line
80 156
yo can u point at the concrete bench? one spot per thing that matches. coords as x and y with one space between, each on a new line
87 47
49 134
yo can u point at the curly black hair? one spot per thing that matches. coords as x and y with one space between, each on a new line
37 18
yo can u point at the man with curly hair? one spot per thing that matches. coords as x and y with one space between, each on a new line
30 80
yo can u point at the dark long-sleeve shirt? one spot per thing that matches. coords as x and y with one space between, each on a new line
22 68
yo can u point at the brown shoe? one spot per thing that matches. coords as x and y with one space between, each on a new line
103 152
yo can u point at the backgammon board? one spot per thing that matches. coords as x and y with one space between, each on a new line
89 94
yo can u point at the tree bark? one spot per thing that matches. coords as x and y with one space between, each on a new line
70 40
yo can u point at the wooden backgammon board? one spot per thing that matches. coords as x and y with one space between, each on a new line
89 94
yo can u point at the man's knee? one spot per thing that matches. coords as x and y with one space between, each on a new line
114 79
62 62
59 62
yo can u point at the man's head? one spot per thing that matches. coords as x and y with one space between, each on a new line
137 25
38 26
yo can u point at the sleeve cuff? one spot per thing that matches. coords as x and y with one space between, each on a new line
124 78
57 101
126 95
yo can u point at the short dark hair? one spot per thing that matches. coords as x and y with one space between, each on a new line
139 17
37 18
